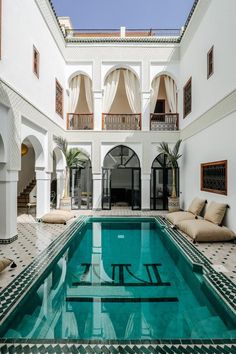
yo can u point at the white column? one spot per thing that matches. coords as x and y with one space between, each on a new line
97 95
145 180
8 204
60 186
97 191
146 111
43 180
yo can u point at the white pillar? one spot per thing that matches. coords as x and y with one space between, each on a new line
145 180
146 111
97 191
60 186
43 180
97 110
8 205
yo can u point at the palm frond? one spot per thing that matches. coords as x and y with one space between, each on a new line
62 144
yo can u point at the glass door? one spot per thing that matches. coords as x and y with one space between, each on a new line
75 188
106 189
136 189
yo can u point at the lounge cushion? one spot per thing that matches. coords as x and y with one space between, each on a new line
196 206
57 218
215 212
205 231
178 216
4 263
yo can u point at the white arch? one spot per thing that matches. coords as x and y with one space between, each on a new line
60 159
167 73
38 150
2 151
120 66
76 73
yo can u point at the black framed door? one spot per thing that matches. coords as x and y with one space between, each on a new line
106 189
161 185
136 188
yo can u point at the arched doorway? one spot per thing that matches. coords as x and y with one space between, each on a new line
121 182
81 186
161 182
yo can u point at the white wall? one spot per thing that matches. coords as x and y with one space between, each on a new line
215 143
22 27
213 24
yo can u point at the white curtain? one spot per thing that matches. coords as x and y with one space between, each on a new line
88 93
74 93
171 93
132 91
155 92
110 90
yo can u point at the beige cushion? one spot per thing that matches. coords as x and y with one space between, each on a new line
178 216
215 212
196 206
4 263
63 212
205 231
57 218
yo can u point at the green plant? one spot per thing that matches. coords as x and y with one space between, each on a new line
172 157
74 157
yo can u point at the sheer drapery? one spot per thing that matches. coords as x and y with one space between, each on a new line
171 93
110 90
155 92
88 93
132 91
74 93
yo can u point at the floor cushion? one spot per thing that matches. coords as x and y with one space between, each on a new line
5 262
215 212
57 218
205 231
178 216
196 206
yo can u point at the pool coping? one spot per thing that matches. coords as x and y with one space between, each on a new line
18 288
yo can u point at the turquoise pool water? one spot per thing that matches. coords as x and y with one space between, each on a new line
123 281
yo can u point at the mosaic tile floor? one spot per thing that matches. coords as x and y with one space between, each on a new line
34 237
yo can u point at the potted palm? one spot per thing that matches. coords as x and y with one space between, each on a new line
74 157
172 157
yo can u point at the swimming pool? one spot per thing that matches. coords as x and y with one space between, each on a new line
121 279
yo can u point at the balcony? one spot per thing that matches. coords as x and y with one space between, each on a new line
80 121
121 121
164 121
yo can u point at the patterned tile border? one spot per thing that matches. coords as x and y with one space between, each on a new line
15 291
224 287
145 348
8 240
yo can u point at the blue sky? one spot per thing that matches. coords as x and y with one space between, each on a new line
130 13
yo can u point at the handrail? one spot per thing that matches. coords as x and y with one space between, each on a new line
136 32
80 121
121 121
164 121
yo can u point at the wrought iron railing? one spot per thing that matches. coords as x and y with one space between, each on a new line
121 121
150 32
164 121
80 121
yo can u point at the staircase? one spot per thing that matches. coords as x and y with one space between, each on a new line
23 199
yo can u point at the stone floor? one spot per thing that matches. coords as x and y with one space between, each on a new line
34 237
